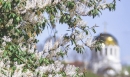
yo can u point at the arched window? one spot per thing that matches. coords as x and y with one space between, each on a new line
111 51
106 51
115 52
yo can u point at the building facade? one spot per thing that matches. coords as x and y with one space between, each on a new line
107 61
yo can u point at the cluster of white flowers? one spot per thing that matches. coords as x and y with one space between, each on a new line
89 42
81 23
34 18
78 36
82 9
9 22
6 72
56 67
57 75
6 39
70 70
52 70
39 3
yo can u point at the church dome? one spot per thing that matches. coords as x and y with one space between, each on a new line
107 39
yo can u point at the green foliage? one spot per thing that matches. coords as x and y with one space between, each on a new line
89 74
70 5
21 25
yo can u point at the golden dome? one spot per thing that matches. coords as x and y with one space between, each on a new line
107 39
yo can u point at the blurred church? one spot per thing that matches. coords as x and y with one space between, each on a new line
107 61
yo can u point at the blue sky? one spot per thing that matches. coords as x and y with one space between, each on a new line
118 24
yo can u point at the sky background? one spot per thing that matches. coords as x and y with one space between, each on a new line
118 24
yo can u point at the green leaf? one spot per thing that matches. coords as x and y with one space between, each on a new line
15 59
41 61
5 53
3 72
93 30
70 4
86 31
61 19
9 6
111 5
24 70
18 19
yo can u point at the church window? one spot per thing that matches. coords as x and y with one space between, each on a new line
115 52
106 50
111 51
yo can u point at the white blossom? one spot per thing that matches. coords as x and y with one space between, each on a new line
56 44
38 3
58 66
81 23
89 42
79 36
6 39
30 4
1 51
50 75
43 69
2 64
23 48
48 46
70 70
27 74
44 55
4 44
56 1
51 67
58 75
